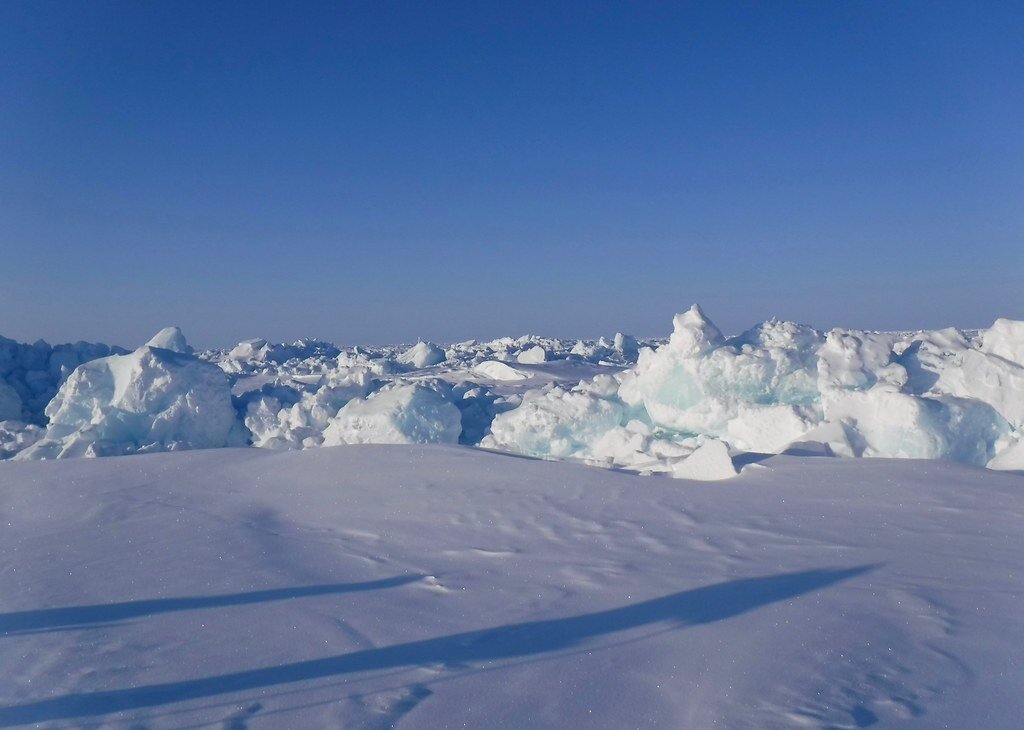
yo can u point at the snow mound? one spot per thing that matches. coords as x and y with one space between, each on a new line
404 414
495 370
171 338
1005 339
153 399
710 462
423 355
532 356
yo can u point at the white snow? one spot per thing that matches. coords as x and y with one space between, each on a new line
533 356
171 338
1005 339
422 355
154 399
926 396
404 414
433 586
496 370
554 422
710 462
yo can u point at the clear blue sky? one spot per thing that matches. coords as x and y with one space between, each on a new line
375 171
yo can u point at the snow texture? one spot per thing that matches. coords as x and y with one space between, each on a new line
439 586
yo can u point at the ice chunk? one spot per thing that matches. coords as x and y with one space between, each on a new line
1005 339
154 399
170 338
693 333
554 422
422 355
769 428
404 414
987 378
495 370
35 372
294 415
1010 458
700 384
16 436
884 422
533 356
627 347
710 462
851 360
256 349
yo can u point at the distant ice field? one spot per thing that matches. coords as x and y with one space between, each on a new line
682 405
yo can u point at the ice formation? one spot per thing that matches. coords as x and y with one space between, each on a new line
31 374
933 395
532 356
404 414
171 338
153 399
645 406
710 462
422 355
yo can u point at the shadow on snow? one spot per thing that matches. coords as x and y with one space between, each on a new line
687 608
70 617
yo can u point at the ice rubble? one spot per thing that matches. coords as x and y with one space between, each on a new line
31 374
932 395
153 399
422 355
404 414
777 387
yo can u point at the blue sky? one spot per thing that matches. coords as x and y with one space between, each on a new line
375 172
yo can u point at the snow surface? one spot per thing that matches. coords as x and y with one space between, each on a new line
443 586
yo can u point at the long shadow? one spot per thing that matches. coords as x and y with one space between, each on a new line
78 616
688 608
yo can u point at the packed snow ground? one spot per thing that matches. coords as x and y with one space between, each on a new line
443 586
